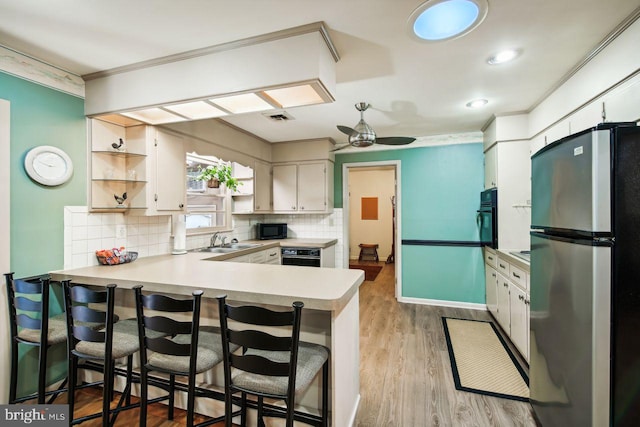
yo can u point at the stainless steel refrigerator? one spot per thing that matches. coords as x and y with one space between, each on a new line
585 279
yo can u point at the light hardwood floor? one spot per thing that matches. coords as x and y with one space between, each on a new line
405 373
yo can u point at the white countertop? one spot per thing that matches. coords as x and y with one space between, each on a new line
327 289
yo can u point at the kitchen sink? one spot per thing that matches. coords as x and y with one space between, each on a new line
240 245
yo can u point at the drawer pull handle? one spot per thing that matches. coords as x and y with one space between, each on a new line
490 257
506 285
520 297
274 254
515 275
503 266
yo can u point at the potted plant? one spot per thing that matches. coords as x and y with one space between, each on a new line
219 174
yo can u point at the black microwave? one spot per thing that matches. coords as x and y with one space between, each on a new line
266 231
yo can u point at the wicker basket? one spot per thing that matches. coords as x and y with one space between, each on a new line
114 258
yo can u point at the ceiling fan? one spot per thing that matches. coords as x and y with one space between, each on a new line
362 135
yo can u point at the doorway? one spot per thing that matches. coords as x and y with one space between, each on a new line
371 204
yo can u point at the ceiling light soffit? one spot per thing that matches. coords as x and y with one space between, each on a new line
296 69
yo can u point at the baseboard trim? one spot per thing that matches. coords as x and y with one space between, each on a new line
443 303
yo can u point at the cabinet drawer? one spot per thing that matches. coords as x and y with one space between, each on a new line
503 267
272 256
490 258
518 277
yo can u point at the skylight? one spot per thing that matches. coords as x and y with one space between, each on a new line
437 20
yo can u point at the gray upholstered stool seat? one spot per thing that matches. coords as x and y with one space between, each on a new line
311 357
57 332
125 341
209 353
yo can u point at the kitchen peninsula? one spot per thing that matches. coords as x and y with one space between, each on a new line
330 316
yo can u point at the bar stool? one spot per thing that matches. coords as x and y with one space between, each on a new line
183 349
368 250
113 341
27 328
277 367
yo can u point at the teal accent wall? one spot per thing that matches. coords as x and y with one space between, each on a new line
42 116
440 195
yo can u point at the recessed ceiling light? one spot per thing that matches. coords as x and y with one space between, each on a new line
244 103
503 56
437 20
477 103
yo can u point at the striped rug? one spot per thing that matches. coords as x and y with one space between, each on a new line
481 361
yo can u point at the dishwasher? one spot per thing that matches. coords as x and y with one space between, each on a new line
307 257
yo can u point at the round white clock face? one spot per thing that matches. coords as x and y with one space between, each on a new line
48 165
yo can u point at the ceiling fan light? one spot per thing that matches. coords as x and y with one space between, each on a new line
363 135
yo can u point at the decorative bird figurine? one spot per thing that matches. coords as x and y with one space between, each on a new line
118 146
119 199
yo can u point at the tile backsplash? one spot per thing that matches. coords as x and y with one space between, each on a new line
86 232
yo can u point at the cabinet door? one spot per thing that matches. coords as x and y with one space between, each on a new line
491 167
312 187
518 316
491 289
262 187
504 314
170 172
285 188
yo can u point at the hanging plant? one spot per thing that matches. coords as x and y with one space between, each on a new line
220 173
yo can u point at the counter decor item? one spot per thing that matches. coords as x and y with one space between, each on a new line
219 174
115 256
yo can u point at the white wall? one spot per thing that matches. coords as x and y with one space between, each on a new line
378 183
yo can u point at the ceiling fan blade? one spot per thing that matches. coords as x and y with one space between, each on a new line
346 130
341 148
395 140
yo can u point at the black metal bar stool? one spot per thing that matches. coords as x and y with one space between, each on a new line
32 327
277 367
98 347
179 348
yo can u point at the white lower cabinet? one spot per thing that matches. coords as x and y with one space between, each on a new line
507 298
266 256
491 289
504 309
519 319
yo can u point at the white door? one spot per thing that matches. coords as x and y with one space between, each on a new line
312 187
284 188
5 247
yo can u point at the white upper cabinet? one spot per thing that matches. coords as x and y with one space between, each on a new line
303 187
170 168
262 187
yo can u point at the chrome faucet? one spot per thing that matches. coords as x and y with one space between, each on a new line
212 244
224 238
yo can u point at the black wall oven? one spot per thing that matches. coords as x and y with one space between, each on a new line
488 218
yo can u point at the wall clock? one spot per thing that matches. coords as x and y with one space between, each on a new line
48 165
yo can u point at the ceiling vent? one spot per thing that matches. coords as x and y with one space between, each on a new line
278 116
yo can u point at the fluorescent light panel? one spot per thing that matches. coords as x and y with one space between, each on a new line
196 110
154 116
245 103
295 96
